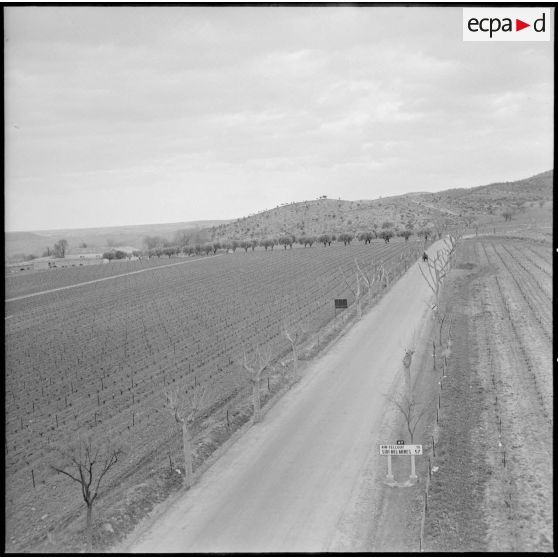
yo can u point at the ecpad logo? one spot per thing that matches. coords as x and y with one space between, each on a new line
506 24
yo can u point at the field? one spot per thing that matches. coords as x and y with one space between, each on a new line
30 282
485 478
492 490
96 358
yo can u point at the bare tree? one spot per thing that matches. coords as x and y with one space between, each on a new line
411 411
369 277
87 463
436 269
357 293
384 276
254 369
185 405
294 335
407 360
441 225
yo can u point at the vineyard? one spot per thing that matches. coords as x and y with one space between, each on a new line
96 358
27 283
499 444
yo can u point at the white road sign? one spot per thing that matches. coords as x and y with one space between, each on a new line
388 449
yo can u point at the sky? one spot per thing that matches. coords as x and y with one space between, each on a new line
135 115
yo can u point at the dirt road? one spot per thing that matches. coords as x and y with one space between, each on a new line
289 483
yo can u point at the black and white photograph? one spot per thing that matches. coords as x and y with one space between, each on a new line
278 278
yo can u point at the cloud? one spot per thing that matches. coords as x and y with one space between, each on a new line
108 106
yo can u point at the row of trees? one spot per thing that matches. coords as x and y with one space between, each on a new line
434 269
286 241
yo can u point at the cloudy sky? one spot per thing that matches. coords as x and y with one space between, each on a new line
131 115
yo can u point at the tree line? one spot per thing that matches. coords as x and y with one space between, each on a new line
159 246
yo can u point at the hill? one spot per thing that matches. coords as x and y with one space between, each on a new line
413 210
494 198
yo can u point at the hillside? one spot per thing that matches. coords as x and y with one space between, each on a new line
307 218
319 216
494 198
413 210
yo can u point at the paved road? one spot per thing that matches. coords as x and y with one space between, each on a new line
286 485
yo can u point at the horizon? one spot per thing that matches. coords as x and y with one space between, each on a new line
260 211
172 114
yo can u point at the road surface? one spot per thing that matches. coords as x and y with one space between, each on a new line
287 484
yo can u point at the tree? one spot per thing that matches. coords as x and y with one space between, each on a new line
406 234
286 240
441 225
108 256
254 369
369 277
325 239
436 270
356 291
407 360
366 237
345 238
60 248
245 245
411 411
87 463
185 405
293 334
386 235
508 214
152 242
254 243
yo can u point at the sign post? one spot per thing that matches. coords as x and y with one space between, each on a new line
413 476
389 476
401 449
341 304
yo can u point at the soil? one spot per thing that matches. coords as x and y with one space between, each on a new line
490 455
485 480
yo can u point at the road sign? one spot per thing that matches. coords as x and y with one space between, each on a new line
340 303
400 442
387 449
